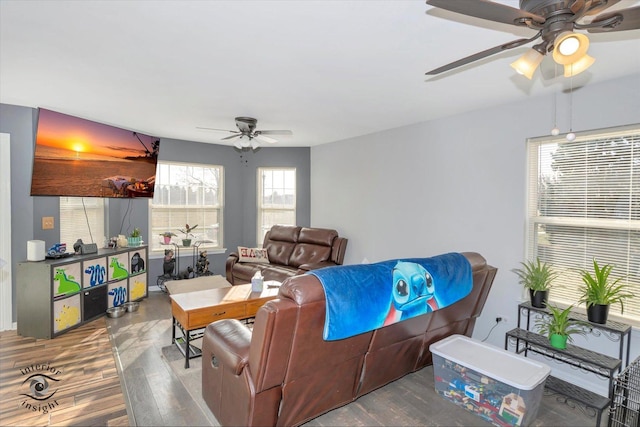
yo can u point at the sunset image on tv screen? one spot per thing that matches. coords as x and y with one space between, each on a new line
78 157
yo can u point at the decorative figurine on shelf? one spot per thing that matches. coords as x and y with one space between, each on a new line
202 266
169 263
187 274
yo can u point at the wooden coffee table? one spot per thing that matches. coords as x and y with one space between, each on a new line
196 284
192 311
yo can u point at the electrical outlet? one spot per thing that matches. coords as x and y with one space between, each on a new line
47 223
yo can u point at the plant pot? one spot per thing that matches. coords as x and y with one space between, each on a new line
598 313
558 341
167 240
134 241
186 242
539 298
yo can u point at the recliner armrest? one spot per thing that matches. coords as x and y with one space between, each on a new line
314 266
232 259
229 341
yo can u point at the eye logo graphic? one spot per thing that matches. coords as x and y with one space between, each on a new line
39 386
40 382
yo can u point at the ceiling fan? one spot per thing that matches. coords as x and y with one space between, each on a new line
247 134
554 21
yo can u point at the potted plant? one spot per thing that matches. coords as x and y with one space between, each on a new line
599 291
559 327
537 276
167 235
134 239
187 232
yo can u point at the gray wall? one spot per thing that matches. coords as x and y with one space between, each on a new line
455 184
240 219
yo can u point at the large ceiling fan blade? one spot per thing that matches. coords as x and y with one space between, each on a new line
630 21
480 55
232 136
221 130
261 137
488 10
598 6
275 132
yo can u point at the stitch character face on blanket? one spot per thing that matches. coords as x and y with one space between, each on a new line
364 297
413 290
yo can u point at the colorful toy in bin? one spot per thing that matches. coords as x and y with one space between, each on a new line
57 249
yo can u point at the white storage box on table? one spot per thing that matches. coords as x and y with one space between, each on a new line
500 387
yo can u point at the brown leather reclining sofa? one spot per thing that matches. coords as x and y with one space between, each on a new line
292 250
284 373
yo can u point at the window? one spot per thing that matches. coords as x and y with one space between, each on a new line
276 198
188 194
82 218
584 203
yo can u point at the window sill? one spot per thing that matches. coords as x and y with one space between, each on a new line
185 251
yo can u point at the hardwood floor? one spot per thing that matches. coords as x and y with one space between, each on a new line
77 367
154 395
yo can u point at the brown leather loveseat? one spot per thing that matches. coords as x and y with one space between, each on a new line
292 250
283 373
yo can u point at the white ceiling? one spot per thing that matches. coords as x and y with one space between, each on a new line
327 70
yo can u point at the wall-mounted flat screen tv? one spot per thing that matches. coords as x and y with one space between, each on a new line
82 158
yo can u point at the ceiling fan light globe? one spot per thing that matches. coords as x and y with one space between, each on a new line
577 47
569 46
579 66
528 63
238 145
255 144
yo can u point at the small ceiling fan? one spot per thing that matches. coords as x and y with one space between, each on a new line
247 134
554 21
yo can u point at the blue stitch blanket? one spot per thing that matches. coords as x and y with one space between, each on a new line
361 298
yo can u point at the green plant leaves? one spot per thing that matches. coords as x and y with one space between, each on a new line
599 288
536 275
559 322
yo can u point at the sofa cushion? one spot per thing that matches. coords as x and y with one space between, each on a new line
317 236
305 253
284 233
280 252
252 255
314 246
278 272
244 271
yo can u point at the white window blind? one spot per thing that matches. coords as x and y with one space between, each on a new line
584 203
82 218
276 199
188 194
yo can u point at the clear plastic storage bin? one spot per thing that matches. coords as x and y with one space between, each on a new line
500 387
